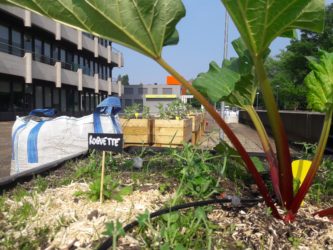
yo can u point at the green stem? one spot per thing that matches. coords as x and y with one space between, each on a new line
315 163
279 134
270 156
232 137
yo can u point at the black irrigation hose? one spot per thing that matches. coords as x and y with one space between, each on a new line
108 242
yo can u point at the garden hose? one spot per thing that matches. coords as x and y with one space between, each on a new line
108 242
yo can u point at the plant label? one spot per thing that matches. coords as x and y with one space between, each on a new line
106 142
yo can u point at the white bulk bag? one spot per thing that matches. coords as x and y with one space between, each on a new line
39 141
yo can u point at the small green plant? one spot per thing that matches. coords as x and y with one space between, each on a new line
177 230
175 110
132 111
112 189
41 184
19 193
114 229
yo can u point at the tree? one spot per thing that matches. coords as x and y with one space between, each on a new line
290 67
124 79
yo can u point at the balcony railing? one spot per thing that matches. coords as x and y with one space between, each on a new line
13 50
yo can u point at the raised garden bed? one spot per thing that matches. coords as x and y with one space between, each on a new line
171 133
196 127
136 131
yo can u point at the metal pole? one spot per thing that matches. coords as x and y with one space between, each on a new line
225 56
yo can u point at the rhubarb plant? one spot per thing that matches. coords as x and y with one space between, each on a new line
146 26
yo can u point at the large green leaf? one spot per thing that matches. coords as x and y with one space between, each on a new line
260 21
320 82
143 25
233 83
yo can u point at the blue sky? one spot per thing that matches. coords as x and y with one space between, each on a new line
201 41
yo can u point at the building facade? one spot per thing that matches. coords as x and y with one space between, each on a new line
150 95
44 64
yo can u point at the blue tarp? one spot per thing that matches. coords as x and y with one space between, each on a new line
43 112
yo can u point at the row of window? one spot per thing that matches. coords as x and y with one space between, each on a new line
17 43
144 91
16 96
101 41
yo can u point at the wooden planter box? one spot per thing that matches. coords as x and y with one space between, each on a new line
136 131
171 133
196 124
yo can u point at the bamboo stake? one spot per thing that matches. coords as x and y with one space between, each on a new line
102 178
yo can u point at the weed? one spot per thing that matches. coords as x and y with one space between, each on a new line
114 229
19 193
112 190
41 184
20 215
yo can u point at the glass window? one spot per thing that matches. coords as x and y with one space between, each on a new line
97 100
47 53
63 100
96 68
28 97
92 102
27 42
167 91
18 96
128 102
4 38
76 101
142 91
39 97
17 43
4 96
76 60
155 91
38 49
62 55
56 103
55 52
70 99
91 70
128 91
47 97
86 101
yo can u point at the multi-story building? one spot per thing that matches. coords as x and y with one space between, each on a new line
150 95
46 64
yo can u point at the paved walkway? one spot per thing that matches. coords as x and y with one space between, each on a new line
5 147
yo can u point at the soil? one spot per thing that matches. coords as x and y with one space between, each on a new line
78 223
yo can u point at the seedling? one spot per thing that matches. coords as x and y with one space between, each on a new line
151 26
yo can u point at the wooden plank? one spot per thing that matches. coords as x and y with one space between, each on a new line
136 131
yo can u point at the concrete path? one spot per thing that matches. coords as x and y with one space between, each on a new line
5 147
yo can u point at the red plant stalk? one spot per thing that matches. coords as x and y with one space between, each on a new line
279 134
210 109
326 212
314 166
270 156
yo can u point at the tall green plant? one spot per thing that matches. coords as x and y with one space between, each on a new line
148 25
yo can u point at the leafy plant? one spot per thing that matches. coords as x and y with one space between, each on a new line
150 25
112 189
175 110
132 111
177 230
114 229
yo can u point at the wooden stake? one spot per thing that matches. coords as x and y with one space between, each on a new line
102 178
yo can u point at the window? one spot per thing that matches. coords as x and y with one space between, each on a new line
17 43
47 96
142 91
4 96
167 91
18 96
70 99
128 91
56 103
27 42
55 52
92 102
62 55
155 91
128 102
39 97
47 53
4 38
63 100
28 106
38 50
76 101
91 71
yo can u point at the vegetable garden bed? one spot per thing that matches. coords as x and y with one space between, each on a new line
58 211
